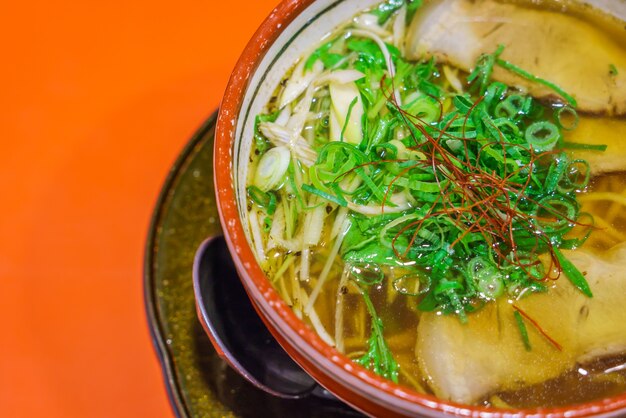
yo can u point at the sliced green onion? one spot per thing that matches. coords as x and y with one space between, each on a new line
386 9
445 286
387 151
509 107
264 200
522 330
339 200
487 278
494 92
589 147
430 241
270 171
585 222
555 173
429 303
525 74
429 187
412 7
449 290
260 142
377 190
424 108
573 274
555 213
323 53
382 130
542 136
463 103
367 274
347 122
412 284
567 118
484 67
503 123
576 176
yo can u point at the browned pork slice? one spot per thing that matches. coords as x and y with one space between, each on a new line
582 58
601 131
467 362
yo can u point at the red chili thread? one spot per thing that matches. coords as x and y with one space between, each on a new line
485 204
538 327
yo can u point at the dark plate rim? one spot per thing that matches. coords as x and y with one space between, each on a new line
157 333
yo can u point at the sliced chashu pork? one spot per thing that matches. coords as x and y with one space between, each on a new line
561 48
601 131
466 362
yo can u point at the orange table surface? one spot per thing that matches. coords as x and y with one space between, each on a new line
96 101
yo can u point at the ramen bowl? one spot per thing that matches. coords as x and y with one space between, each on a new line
290 31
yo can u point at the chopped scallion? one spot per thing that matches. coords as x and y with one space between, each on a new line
522 330
542 136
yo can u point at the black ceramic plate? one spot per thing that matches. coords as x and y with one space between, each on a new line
199 383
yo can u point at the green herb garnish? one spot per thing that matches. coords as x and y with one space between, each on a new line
378 357
573 274
473 194
385 10
525 74
522 329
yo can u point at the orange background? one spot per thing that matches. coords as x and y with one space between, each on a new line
96 101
